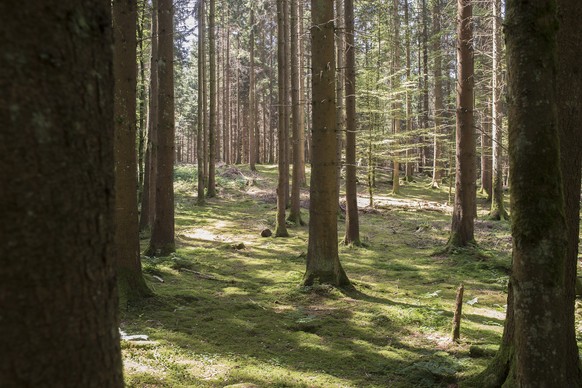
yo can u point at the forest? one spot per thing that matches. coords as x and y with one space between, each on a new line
290 193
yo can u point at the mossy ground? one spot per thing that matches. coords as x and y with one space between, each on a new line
225 315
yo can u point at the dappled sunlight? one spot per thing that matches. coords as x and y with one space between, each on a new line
231 308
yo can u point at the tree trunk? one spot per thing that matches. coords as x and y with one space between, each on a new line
497 209
539 345
538 224
302 95
340 84
127 252
162 238
486 162
201 112
141 98
148 205
462 229
58 292
323 265
439 108
281 227
211 192
352 235
396 105
569 87
252 112
227 108
295 211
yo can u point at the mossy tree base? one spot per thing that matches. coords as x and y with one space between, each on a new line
498 372
281 231
498 215
132 288
161 251
296 219
334 278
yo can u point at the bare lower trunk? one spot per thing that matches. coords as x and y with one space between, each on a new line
462 228
352 235
281 227
127 250
323 265
162 238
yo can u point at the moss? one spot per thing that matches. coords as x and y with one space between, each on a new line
225 316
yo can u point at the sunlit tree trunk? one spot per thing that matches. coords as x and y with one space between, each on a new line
323 265
162 238
252 127
281 227
58 294
227 108
497 209
486 162
295 211
201 111
212 130
396 105
462 228
148 204
340 84
438 94
352 235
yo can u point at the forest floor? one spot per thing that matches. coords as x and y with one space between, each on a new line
229 309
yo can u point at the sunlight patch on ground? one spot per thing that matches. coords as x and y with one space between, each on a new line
209 235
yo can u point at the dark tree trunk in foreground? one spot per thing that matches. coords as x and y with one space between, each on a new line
539 343
162 239
352 222
569 103
323 265
462 228
127 252
59 325
281 227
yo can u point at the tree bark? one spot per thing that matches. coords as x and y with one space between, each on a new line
462 228
252 111
340 85
127 252
162 238
201 111
498 211
212 130
352 235
397 105
323 265
58 292
295 211
281 227
569 87
439 108
539 345
148 204
486 162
